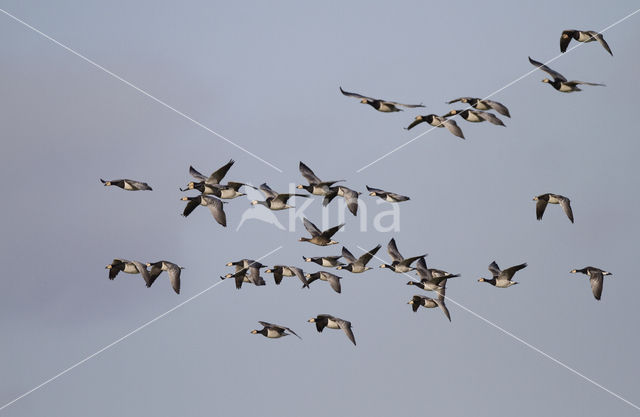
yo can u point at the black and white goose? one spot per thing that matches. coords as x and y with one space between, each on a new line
214 205
357 265
129 185
596 277
386 195
430 280
274 331
215 177
475 116
316 185
437 121
280 271
399 263
502 278
331 322
384 106
559 82
318 237
350 197
483 104
326 261
172 269
129 267
248 274
544 199
420 300
275 201
333 280
582 36
226 191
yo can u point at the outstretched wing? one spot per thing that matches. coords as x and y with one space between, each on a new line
541 205
565 39
604 43
364 259
300 276
490 117
453 127
356 95
215 206
174 276
596 279
499 107
494 269
311 228
556 75
268 192
346 326
308 174
565 203
332 231
195 174
415 123
392 249
218 175
348 255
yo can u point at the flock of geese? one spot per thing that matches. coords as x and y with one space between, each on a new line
248 271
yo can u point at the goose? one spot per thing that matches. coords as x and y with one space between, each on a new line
320 238
215 177
326 261
357 265
331 322
129 185
378 104
215 206
431 280
476 116
544 199
559 82
427 302
280 271
240 277
316 186
399 264
246 263
274 331
172 269
483 104
350 197
275 201
582 36
502 278
437 121
227 191
129 267
246 274
386 195
596 277
332 279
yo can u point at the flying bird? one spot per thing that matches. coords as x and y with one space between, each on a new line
431 279
280 271
316 185
326 261
129 267
559 82
274 331
502 278
331 322
437 121
357 265
275 201
172 269
333 280
483 104
386 195
129 185
544 199
475 116
226 191
320 238
384 106
215 177
596 277
427 302
582 36
214 205
399 263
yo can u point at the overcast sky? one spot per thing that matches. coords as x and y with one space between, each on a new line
265 75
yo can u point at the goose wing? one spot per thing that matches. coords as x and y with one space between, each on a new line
364 259
300 274
332 231
554 74
453 127
268 192
311 228
346 327
308 174
604 43
215 207
565 203
174 275
393 251
494 269
142 268
490 117
541 205
351 197
195 174
596 279
333 280
565 39
218 175
356 95
348 255
499 107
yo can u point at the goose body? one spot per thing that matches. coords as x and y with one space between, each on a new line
437 121
214 205
323 321
559 82
596 278
476 116
129 185
274 331
326 261
318 237
544 199
172 269
333 280
316 186
483 104
384 106
129 267
280 271
502 278
357 265
386 195
399 263
582 36
427 302
275 201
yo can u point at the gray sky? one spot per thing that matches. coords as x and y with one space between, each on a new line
266 76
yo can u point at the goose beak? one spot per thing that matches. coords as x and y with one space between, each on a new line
372 194
254 331
229 263
108 267
184 198
268 271
573 271
383 266
254 202
312 320
299 186
363 101
480 279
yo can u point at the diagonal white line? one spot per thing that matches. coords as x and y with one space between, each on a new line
58 375
527 344
577 45
152 97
